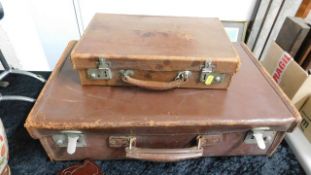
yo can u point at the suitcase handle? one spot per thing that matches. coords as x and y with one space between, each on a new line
181 78
163 155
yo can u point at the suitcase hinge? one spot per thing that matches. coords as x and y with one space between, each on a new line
70 139
102 72
260 136
208 76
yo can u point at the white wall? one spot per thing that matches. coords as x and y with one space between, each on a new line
7 49
234 10
21 32
40 29
56 24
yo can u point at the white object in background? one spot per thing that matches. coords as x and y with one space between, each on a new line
258 22
8 50
266 27
56 24
301 148
22 33
271 25
238 10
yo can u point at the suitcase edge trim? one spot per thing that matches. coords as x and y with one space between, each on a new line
28 123
275 87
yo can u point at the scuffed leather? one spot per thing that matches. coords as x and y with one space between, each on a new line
170 119
156 48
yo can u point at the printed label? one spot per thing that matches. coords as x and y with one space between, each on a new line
209 80
281 67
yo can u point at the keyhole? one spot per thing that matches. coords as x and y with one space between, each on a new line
205 77
105 74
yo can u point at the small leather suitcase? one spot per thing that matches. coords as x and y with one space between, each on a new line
155 52
78 122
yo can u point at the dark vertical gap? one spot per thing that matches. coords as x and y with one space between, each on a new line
253 17
277 16
261 25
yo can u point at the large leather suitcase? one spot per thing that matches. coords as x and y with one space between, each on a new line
155 52
77 122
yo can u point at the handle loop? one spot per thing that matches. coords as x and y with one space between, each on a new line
181 78
163 155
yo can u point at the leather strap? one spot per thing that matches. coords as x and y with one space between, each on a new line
180 79
87 168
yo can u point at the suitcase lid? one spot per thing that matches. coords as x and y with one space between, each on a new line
253 100
157 43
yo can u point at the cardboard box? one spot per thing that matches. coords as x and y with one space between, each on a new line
305 124
294 81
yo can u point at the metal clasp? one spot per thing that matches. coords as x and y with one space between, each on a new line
184 75
70 139
120 141
207 69
208 76
260 136
102 72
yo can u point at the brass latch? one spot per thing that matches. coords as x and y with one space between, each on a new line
119 141
102 72
208 76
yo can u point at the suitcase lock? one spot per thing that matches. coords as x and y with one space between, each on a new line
260 136
70 139
208 76
102 72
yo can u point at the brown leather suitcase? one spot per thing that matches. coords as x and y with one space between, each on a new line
78 122
155 52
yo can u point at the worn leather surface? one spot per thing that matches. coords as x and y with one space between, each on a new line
13 115
155 48
153 38
251 101
170 119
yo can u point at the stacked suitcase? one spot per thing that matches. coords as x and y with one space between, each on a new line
158 89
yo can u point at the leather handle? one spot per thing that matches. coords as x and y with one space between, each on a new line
181 78
163 155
